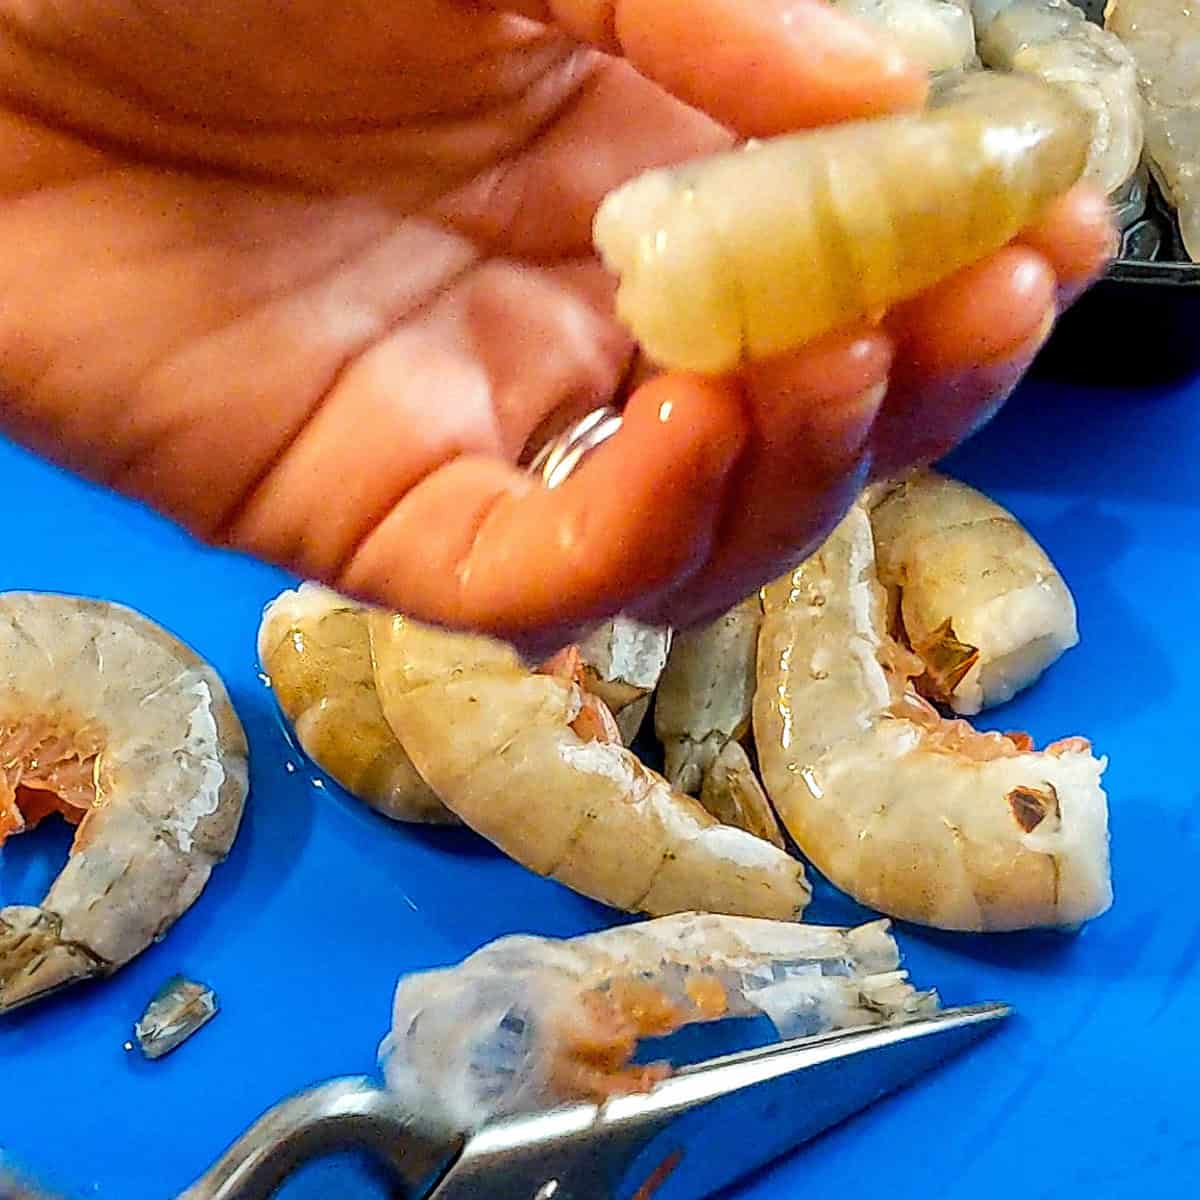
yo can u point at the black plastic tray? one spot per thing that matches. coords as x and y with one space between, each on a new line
1140 324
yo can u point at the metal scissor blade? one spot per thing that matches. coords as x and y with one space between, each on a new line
712 1124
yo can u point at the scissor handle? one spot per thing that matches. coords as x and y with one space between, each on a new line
344 1114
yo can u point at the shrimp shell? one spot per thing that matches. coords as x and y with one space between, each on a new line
974 590
623 661
314 647
527 1022
93 685
706 693
496 743
913 815
753 252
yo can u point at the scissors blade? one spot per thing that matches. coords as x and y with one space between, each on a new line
710 1125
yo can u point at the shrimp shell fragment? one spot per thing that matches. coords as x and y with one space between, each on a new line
623 660
94 689
314 647
496 743
913 815
527 1022
938 33
980 600
756 251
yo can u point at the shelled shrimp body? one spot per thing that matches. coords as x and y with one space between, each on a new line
530 761
314 647
1054 41
979 599
753 252
112 722
914 815
1164 38
526 1022
938 33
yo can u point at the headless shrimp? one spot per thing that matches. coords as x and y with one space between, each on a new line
1164 38
526 1022
523 760
979 600
756 251
706 693
314 647
1054 41
732 793
919 817
115 724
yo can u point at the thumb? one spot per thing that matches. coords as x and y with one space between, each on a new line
762 67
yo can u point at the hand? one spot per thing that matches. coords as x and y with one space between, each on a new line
309 277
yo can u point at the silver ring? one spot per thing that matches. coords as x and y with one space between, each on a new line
555 461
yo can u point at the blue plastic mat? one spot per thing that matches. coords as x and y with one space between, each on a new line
1091 1092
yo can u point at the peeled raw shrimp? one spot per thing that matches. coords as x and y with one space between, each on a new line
1164 38
526 1022
1054 41
914 815
112 722
938 33
528 760
752 252
980 601
314 647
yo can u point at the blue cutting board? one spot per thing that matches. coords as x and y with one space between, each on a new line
1091 1092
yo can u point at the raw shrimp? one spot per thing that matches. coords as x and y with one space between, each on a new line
525 760
752 252
622 661
731 793
706 692
526 1022
916 816
112 722
1164 38
314 647
938 33
1054 41
979 600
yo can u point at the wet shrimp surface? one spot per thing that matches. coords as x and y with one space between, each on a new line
303 931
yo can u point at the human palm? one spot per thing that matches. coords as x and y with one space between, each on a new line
310 278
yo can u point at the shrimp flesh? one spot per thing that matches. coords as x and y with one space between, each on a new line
526 1023
1164 38
938 33
753 252
706 693
527 760
913 815
978 599
1054 41
112 722
314 647
622 661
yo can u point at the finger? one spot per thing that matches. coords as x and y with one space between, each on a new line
961 349
809 417
760 66
480 545
1077 237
